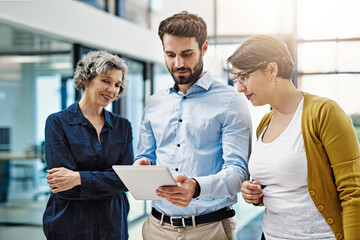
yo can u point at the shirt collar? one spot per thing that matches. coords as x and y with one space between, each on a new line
204 82
77 118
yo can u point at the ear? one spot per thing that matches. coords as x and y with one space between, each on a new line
273 68
204 47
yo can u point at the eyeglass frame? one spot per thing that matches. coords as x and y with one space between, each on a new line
243 75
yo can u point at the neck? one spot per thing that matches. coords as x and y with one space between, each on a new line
89 109
287 97
185 87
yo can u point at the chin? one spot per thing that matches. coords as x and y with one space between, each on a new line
105 104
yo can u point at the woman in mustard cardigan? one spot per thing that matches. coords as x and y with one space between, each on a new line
305 164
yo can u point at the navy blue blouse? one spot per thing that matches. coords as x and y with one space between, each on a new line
98 208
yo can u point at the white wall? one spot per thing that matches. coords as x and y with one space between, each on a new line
76 22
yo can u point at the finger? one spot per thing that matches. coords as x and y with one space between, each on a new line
253 196
180 178
51 181
180 204
172 196
252 189
54 170
256 201
250 185
169 190
145 161
55 190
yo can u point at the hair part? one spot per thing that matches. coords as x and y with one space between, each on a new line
259 51
184 24
96 63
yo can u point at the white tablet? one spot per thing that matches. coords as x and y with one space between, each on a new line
142 181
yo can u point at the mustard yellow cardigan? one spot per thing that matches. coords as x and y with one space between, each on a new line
333 159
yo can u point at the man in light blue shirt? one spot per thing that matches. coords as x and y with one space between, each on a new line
201 129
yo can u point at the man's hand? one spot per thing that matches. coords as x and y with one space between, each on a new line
252 192
62 179
142 161
180 195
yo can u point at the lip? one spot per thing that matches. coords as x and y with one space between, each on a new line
182 72
248 96
107 97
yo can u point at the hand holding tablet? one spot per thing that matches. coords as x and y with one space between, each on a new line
142 181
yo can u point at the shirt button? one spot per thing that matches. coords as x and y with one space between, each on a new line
184 97
339 236
320 208
176 169
180 120
178 145
312 193
330 220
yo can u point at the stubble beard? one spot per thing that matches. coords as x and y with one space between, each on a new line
194 73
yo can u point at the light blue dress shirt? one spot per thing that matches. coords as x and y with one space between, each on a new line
204 134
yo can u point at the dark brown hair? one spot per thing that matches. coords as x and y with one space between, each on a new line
184 24
259 51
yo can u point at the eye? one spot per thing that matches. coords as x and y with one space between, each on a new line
170 55
117 85
187 54
105 81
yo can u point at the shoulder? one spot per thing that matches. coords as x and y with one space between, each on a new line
318 106
57 117
159 96
64 115
216 84
224 92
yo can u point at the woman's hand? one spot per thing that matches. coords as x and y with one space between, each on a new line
142 161
62 179
252 192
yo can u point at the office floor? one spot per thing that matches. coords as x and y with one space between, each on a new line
21 214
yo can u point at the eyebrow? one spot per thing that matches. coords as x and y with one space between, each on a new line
187 50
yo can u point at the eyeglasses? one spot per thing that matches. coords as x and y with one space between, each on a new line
242 77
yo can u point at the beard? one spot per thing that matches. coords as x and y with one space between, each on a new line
195 73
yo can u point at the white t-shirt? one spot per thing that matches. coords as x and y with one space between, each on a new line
281 166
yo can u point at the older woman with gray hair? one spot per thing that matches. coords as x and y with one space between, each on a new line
82 143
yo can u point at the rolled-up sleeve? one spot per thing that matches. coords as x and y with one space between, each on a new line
236 144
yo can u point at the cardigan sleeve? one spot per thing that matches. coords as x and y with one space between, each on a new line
340 143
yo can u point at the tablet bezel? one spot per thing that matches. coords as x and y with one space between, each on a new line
142 181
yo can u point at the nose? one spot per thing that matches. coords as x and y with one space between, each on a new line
240 87
111 88
179 62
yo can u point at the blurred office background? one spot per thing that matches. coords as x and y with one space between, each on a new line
40 42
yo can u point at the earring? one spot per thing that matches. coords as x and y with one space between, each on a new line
273 79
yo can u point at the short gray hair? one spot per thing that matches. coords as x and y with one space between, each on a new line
96 63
